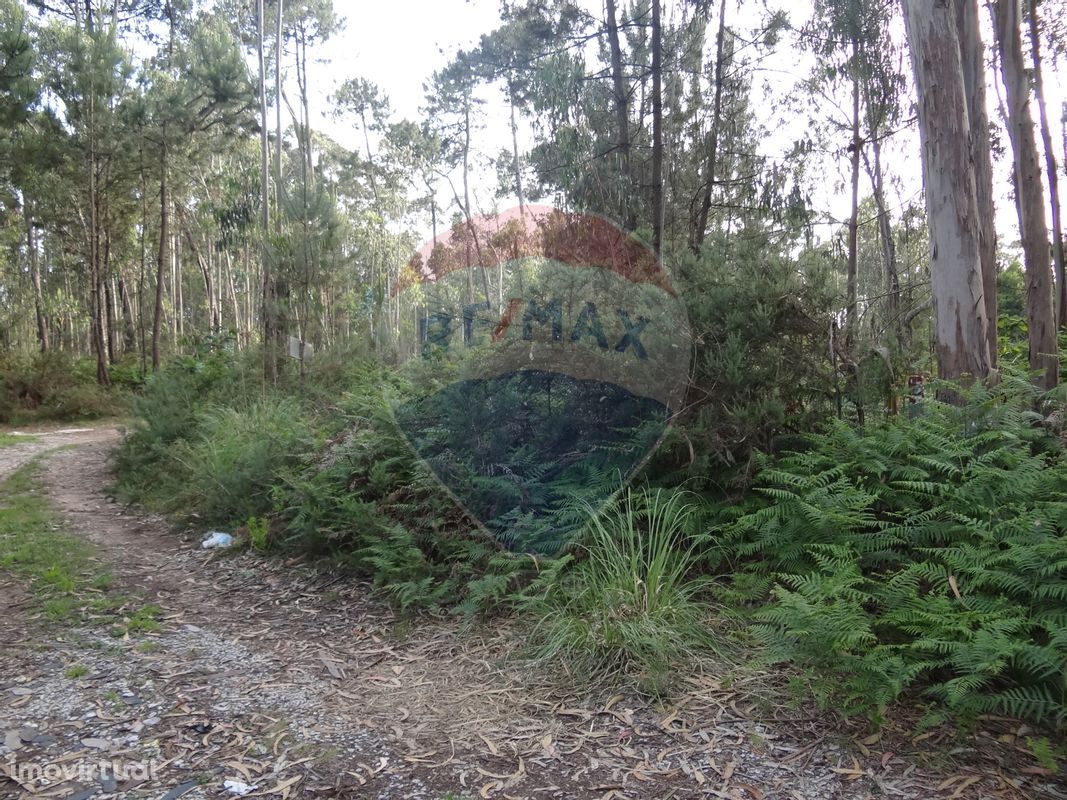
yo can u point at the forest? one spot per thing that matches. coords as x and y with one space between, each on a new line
651 340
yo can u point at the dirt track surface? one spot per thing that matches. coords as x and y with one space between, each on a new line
297 683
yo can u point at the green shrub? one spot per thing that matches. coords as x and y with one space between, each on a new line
258 533
227 471
367 501
53 386
630 603
85 401
929 551
167 411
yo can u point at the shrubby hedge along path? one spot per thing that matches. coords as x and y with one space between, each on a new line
203 667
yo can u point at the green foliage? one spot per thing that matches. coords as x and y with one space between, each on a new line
369 502
258 533
761 368
53 386
168 411
228 469
926 552
628 601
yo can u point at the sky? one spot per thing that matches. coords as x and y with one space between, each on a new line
398 44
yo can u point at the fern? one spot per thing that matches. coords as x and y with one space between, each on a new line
928 552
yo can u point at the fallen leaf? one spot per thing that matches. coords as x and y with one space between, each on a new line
954 586
966 782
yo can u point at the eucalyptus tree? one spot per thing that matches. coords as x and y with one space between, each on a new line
1029 194
961 334
19 91
1039 28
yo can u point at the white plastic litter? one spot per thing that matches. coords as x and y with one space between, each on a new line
237 787
216 539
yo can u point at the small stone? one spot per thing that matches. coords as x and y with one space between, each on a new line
97 744
12 740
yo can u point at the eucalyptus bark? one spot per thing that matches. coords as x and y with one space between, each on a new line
961 335
972 59
852 267
516 165
1029 195
1051 170
270 366
129 328
35 277
885 234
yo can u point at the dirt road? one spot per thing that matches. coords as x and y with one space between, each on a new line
235 673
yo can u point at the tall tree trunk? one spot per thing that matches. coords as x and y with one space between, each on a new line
700 226
972 59
270 365
278 43
515 163
305 103
885 234
129 328
657 130
97 337
622 115
162 258
1029 195
1050 168
178 287
110 318
961 335
205 271
852 269
234 305
35 277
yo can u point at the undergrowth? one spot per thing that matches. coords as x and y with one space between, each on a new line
926 553
56 387
626 601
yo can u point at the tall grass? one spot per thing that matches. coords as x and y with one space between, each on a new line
229 469
629 603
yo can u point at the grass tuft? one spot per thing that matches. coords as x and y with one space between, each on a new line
10 439
630 604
